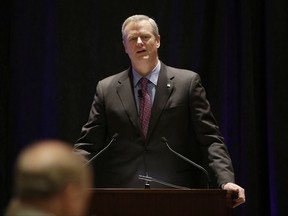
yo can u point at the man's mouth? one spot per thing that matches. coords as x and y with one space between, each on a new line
141 51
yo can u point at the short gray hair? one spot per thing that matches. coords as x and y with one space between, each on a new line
39 177
138 18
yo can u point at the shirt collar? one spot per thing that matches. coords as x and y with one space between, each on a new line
152 77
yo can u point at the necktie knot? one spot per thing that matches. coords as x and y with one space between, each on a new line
144 83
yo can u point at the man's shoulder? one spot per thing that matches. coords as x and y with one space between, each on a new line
118 77
180 72
16 208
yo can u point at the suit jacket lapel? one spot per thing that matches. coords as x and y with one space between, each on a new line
165 86
126 95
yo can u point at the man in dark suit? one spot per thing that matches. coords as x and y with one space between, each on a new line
144 103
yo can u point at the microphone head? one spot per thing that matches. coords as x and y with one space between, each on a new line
140 94
164 140
115 136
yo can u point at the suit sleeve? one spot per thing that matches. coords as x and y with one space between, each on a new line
208 134
93 133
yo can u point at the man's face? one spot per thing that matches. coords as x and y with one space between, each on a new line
140 43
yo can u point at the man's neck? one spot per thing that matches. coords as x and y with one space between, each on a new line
144 67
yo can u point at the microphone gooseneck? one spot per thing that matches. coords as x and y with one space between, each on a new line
164 140
100 152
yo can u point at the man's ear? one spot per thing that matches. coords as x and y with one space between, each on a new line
158 41
70 199
70 193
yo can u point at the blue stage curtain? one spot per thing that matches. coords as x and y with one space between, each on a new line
53 52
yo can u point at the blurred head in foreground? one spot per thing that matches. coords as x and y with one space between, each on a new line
50 180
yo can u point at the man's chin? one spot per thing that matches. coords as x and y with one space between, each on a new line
143 58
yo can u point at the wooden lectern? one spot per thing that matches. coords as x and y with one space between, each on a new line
160 202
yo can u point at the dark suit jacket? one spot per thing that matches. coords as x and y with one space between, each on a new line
180 112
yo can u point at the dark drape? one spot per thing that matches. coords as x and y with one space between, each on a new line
53 52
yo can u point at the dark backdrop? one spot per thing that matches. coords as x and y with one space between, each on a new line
53 52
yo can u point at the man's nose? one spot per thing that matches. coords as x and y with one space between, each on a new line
139 41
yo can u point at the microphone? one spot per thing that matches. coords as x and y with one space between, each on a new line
150 179
140 93
164 140
100 152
